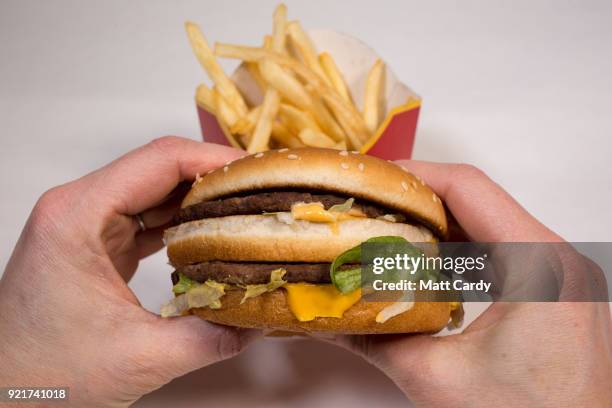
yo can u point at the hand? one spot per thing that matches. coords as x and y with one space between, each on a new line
67 316
514 354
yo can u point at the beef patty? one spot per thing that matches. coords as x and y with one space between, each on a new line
268 202
243 273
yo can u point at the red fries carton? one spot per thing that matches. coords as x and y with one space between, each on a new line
394 138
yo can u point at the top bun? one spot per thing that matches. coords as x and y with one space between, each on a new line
348 173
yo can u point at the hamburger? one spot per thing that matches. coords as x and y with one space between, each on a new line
254 242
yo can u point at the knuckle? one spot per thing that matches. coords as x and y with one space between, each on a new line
469 170
49 207
166 143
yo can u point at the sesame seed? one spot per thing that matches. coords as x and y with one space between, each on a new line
345 166
343 153
404 186
293 157
422 182
413 184
225 169
210 171
258 155
227 162
361 167
355 152
434 198
283 150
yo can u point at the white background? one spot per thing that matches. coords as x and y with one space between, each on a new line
522 89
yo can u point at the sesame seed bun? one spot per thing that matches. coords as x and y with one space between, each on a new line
347 173
271 311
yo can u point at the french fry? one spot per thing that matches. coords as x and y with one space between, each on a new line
212 101
303 45
335 76
263 129
284 137
324 118
296 120
224 110
205 97
247 123
285 83
373 105
314 138
356 137
214 70
279 20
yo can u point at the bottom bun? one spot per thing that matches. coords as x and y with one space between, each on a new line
270 311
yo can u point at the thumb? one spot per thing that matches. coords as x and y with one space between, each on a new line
167 348
411 361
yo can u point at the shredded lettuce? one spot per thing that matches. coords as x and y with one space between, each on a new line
344 207
184 284
276 281
193 294
175 307
206 294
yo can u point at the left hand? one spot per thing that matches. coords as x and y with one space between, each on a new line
67 315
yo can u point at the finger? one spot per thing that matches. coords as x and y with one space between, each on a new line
150 241
406 359
160 215
481 207
143 177
177 346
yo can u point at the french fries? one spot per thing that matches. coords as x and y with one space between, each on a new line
285 83
263 129
311 137
335 76
279 20
373 104
214 70
306 100
284 137
296 120
246 124
302 44
215 103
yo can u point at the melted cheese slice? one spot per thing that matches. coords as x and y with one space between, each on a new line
308 301
316 212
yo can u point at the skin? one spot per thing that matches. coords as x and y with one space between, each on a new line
69 319
514 354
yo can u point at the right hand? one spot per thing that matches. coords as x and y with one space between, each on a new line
514 354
